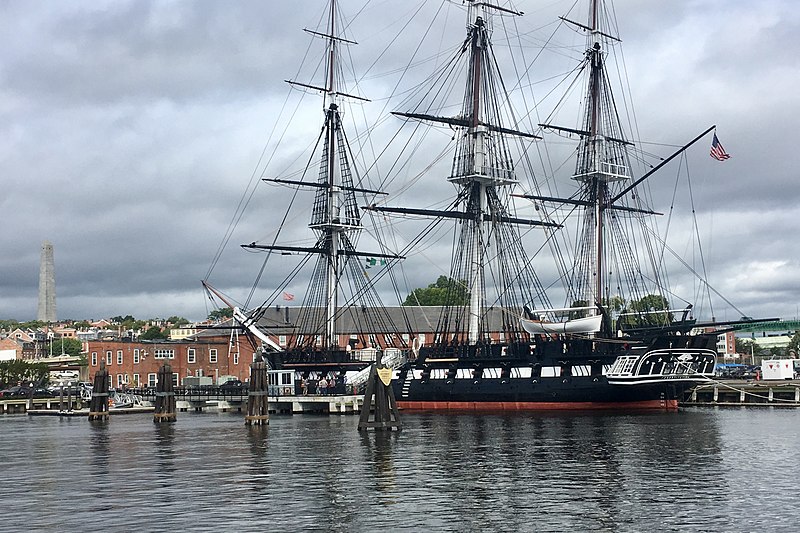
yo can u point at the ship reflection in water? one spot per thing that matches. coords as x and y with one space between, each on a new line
684 471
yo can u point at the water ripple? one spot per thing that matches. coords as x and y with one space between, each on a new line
696 470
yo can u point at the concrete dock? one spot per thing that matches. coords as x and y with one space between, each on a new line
751 393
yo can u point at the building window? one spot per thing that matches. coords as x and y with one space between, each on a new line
151 380
163 353
236 358
94 358
108 358
199 372
190 356
136 381
119 357
282 340
318 340
136 356
212 355
120 380
175 379
336 340
406 338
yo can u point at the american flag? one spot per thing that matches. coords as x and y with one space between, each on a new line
717 151
288 297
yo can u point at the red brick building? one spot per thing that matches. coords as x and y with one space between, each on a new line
136 363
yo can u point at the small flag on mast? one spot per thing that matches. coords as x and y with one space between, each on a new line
372 261
288 297
717 151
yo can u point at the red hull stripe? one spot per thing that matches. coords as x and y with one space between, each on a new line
536 406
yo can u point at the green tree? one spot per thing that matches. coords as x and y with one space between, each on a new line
220 314
12 372
615 303
747 347
72 347
154 333
648 307
446 291
579 314
177 320
794 344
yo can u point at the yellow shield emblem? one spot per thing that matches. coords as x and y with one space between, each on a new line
385 374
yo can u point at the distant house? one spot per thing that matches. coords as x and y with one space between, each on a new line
21 335
88 335
66 333
182 332
10 349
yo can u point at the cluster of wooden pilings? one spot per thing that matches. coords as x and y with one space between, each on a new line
98 406
67 406
258 395
379 399
165 396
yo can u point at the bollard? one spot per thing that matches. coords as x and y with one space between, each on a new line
98 405
258 394
379 397
165 396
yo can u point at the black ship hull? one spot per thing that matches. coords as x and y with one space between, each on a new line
653 378
578 392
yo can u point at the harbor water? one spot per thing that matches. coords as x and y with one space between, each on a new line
692 470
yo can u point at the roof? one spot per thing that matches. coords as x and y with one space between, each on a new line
284 320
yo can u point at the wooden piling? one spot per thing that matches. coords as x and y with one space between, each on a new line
258 395
98 405
165 396
379 399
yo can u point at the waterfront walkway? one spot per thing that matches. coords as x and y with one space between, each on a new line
287 404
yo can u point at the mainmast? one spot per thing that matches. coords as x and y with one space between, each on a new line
489 260
330 224
477 180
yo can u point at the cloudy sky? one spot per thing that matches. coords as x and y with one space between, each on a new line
132 130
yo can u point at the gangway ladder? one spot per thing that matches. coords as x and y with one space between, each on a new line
406 386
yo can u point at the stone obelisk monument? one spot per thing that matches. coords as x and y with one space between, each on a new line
47 285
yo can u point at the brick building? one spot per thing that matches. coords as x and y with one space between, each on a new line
136 363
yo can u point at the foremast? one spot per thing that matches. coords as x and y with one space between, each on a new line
335 216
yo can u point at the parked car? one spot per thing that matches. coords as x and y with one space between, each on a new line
21 391
13 392
233 385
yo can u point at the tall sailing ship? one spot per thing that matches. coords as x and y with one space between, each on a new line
613 343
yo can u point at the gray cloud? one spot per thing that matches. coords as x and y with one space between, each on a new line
132 128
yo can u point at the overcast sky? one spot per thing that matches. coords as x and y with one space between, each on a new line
131 129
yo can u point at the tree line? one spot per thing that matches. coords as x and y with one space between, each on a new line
19 371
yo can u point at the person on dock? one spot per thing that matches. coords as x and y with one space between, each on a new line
304 386
322 386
